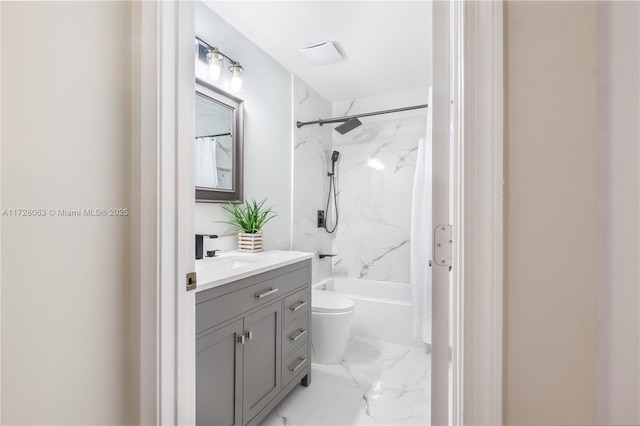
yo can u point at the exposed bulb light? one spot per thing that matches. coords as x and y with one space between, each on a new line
236 81
210 63
214 58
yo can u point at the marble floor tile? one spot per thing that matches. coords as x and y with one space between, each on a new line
377 383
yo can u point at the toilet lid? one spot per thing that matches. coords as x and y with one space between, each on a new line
327 301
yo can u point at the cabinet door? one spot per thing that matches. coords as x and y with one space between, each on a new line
262 359
219 377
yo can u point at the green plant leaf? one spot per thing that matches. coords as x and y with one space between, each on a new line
249 217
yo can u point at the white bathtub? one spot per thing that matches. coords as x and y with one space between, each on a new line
382 310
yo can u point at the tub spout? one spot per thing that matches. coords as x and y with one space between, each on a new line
322 255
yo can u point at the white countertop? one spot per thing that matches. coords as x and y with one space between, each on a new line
230 266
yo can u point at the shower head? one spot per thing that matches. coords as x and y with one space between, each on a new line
348 126
334 158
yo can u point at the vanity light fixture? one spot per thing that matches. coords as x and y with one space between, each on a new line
214 60
236 81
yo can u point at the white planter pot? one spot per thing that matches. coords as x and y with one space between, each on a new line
250 243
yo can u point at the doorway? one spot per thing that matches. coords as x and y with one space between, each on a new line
181 358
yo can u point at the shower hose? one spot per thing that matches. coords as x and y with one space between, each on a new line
332 187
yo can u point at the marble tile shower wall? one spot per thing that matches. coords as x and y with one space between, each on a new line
312 149
375 183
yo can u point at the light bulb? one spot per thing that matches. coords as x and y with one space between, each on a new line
215 64
236 80
215 70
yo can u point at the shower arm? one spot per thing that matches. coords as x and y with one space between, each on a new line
366 114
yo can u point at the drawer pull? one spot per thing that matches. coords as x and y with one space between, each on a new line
266 293
298 306
300 364
301 333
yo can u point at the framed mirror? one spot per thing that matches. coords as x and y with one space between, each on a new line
219 141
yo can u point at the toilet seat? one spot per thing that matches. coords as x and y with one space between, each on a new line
329 302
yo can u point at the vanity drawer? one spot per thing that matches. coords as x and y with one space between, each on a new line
217 310
296 305
294 364
295 333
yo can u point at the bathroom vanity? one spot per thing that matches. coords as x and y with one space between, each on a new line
253 343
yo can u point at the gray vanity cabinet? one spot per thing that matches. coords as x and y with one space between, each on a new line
252 345
219 387
262 359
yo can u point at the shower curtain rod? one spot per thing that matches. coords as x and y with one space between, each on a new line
366 114
213 136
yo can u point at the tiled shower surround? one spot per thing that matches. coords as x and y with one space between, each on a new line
374 180
312 150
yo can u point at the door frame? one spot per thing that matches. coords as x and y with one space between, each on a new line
162 211
441 210
162 206
478 170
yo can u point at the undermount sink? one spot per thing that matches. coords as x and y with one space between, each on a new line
232 262
231 266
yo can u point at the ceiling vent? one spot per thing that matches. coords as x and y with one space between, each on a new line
322 53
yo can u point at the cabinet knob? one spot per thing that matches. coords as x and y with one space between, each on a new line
249 335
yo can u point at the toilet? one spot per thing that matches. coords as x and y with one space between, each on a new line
331 316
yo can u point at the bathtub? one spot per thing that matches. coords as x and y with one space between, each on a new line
382 310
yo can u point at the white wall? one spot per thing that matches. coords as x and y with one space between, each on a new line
268 127
551 223
65 280
619 221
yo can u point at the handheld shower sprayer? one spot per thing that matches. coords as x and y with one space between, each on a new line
332 187
334 158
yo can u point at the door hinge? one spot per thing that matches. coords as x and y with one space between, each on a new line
192 281
443 245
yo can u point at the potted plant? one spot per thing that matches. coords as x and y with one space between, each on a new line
248 218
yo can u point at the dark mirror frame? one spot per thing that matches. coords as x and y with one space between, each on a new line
235 194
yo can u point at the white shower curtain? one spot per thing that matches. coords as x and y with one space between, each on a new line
422 237
206 163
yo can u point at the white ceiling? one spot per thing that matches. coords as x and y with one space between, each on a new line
387 43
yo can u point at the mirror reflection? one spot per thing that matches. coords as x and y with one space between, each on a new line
218 145
214 144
